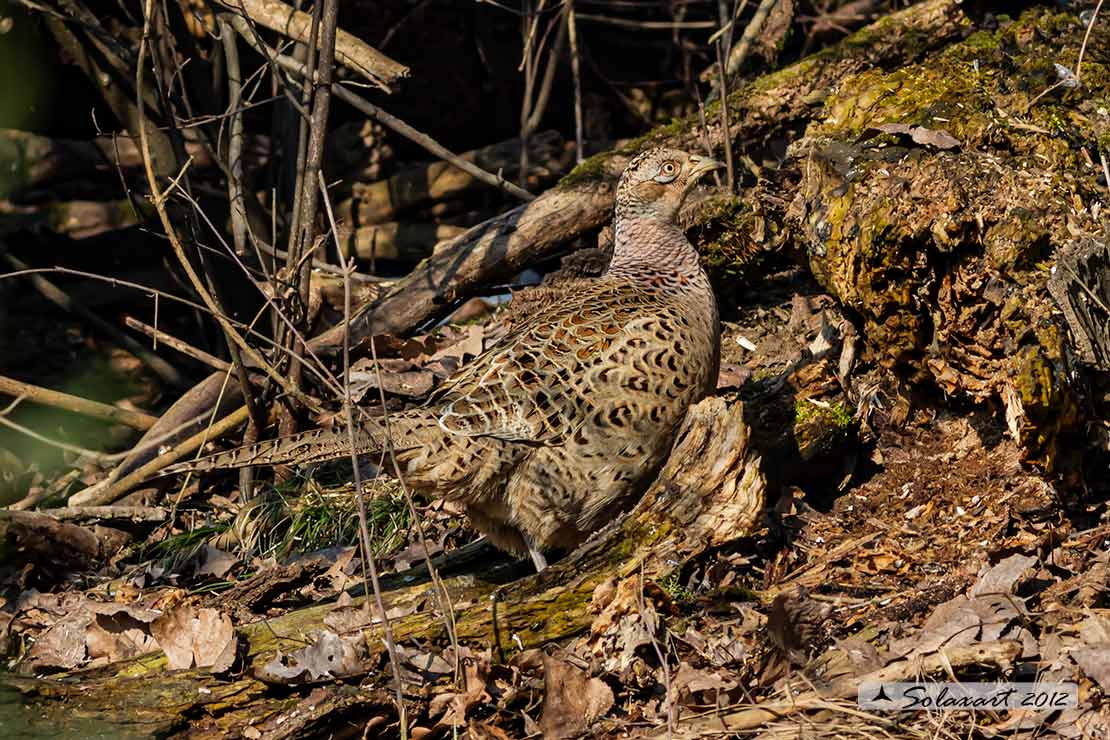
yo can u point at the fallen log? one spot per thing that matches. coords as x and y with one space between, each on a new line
934 200
378 202
77 219
44 162
403 241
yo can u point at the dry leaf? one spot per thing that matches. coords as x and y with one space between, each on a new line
455 705
60 647
201 638
425 662
986 615
119 631
215 563
572 700
331 656
938 138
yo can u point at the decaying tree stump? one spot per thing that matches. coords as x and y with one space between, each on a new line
934 199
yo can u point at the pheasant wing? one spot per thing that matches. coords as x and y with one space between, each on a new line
530 386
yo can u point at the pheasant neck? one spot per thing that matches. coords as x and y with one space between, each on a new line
651 246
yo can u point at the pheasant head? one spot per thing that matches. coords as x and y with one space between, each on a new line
656 181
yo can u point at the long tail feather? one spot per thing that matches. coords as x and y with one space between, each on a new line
301 449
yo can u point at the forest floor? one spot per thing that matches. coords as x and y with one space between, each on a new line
910 530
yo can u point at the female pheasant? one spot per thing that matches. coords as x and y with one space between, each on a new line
550 432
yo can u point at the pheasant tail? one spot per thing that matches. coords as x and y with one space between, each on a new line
407 430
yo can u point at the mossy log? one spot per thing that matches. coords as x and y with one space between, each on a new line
933 201
711 491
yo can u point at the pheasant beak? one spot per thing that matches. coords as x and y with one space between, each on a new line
700 166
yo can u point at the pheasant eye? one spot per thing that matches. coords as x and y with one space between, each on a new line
667 172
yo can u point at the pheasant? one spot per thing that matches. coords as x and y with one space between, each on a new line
550 432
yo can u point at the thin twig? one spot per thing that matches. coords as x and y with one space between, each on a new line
62 300
726 134
576 74
1105 168
1083 47
97 495
1078 63
76 404
668 688
158 196
442 594
235 138
389 121
364 532
106 513
159 335
739 53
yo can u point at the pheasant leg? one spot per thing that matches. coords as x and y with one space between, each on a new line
537 557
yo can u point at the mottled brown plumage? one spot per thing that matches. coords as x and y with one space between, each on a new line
550 432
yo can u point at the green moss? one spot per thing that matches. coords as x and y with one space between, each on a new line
595 168
838 415
673 587
982 41
963 88
590 170
725 237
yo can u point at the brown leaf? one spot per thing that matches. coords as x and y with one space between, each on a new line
62 646
344 619
330 656
215 563
939 138
689 680
732 376
119 631
1095 662
572 700
1093 656
190 637
409 383
1003 578
485 731
455 705
469 344
986 615
425 662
